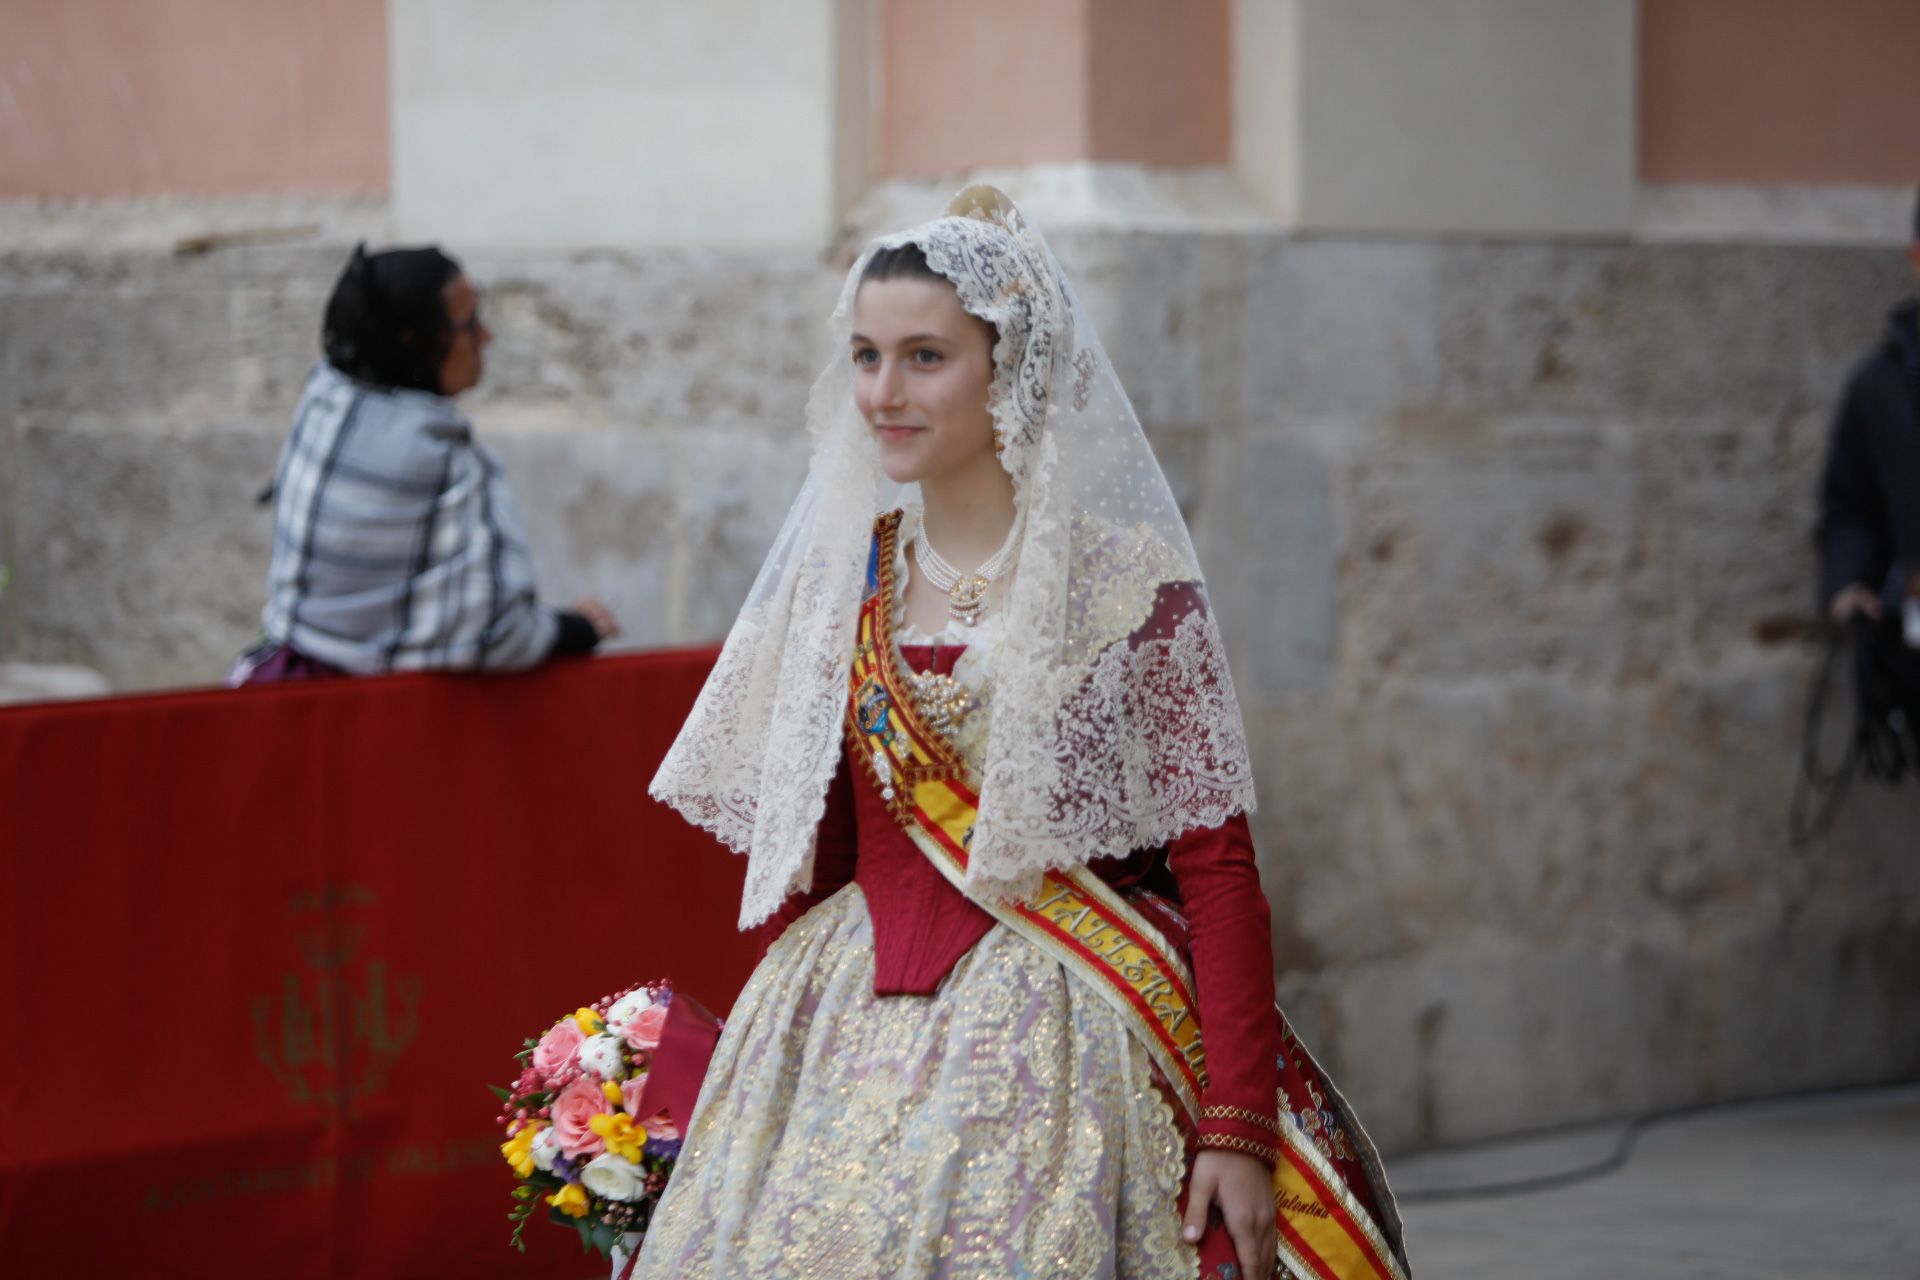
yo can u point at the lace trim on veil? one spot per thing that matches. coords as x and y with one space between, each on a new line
1114 724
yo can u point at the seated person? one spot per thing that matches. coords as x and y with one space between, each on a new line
396 542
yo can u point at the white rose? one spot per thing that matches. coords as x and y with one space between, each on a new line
546 1145
613 1177
628 1007
601 1055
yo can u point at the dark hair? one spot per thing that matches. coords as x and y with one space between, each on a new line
386 322
909 262
901 262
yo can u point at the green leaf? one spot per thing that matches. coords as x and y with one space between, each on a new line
505 1095
604 1238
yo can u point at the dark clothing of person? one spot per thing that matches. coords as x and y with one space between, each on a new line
1870 532
1870 492
576 635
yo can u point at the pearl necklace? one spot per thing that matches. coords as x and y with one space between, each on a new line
966 592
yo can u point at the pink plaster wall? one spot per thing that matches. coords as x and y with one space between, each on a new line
987 82
142 97
1780 91
1161 93
1013 82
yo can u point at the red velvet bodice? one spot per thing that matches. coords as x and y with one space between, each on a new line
922 925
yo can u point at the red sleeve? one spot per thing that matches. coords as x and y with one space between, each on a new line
833 857
1229 933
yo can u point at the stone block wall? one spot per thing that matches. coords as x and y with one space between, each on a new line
1511 542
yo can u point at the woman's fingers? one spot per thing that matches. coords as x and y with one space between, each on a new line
1266 1254
1199 1200
1242 1188
1250 1244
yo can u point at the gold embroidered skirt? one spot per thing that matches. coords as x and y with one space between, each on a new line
1006 1126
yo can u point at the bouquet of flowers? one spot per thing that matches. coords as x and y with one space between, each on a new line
593 1121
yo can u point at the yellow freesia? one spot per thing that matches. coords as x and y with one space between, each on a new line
623 1137
519 1150
590 1022
612 1091
570 1200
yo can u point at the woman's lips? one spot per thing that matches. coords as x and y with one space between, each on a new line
891 433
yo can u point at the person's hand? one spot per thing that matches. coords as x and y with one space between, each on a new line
595 611
1850 600
1243 1189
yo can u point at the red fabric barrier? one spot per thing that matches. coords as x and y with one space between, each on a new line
266 949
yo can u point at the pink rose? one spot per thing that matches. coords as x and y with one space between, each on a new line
659 1126
644 1031
630 1094
558 1049
572 1114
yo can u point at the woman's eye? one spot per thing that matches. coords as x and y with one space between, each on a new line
866 356
926 355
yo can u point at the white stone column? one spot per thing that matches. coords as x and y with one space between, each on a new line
1264 37
1472 117
628 123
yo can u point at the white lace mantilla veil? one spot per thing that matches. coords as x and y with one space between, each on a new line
1114 723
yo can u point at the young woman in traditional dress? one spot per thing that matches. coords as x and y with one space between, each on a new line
975 732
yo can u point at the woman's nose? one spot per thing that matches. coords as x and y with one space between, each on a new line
888 384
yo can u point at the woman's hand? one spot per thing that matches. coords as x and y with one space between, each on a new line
595 611
1243 1189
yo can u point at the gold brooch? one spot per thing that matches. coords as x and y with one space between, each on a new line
943 701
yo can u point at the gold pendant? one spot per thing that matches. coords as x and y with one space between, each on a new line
967 598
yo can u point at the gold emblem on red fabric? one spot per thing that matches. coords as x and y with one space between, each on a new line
333 1029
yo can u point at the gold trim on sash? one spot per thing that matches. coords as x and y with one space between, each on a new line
1324 1231
1078 919
1075 916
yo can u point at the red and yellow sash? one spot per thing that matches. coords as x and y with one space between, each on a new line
1325 1233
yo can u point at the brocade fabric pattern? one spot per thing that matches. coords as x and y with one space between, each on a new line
1008 1125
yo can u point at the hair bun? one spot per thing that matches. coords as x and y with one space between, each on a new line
986 203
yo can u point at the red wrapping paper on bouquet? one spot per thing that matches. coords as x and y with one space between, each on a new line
680 1060
264 950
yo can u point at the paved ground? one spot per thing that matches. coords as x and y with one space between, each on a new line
1812 1188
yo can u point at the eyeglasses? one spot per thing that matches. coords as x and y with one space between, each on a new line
471 326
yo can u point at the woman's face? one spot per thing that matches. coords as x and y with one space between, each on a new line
467 338
922 368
